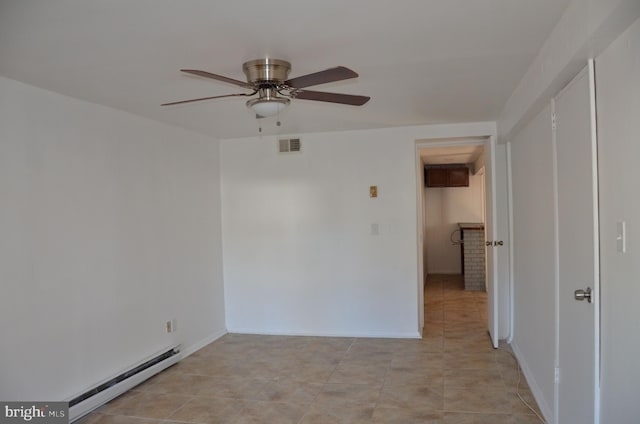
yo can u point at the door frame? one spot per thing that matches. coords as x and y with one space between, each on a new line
480 140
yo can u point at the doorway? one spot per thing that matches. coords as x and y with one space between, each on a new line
475 153
454 215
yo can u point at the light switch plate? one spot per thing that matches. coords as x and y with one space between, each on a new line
621 237
373 191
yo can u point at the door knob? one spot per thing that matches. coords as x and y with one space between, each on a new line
583 294
498 243
488 243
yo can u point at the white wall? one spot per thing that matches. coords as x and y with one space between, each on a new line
618 88
298 254
110 226
445 208
534 256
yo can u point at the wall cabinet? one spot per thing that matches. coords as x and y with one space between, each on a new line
447 177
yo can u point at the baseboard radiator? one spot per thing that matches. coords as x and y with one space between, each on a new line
102 393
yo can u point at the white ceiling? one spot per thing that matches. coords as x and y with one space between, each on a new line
421 61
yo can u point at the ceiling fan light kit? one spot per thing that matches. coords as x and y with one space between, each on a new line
268 107
268 79
268 103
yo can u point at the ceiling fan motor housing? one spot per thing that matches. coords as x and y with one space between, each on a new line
266 70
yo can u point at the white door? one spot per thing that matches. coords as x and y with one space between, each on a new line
577 254
501 248
490 237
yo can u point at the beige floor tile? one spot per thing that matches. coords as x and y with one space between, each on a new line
399 375
366 357
190 365
434 300
434 343
490 378
462 317
313 372
236 387
260 369
525 419
469 360
333 394
115 419
482 345
290 391
271 413
185 384
469 418
357 374
145 405
382 415
477 400
418 360
433 329
417 345
465 330
436 308
374 344
339 414
411 396
333 347
434 315
209 410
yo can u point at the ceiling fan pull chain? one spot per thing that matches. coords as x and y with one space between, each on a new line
278 120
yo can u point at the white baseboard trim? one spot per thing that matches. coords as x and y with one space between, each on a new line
202 343
547 413
415 335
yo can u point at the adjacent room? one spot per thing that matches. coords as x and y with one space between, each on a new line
454 203
298 212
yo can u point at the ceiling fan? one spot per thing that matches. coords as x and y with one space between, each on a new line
268 79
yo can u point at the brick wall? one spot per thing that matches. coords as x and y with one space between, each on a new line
474 262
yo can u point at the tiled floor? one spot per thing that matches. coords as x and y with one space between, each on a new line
452 375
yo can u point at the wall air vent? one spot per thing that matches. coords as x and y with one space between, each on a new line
289 145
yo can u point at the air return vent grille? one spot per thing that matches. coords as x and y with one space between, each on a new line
289 145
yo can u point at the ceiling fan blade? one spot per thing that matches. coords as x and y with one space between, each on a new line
321 96
338 73
217 77
207 98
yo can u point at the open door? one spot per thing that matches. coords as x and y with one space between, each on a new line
491 240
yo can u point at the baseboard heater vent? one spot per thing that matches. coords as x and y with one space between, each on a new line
86 402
